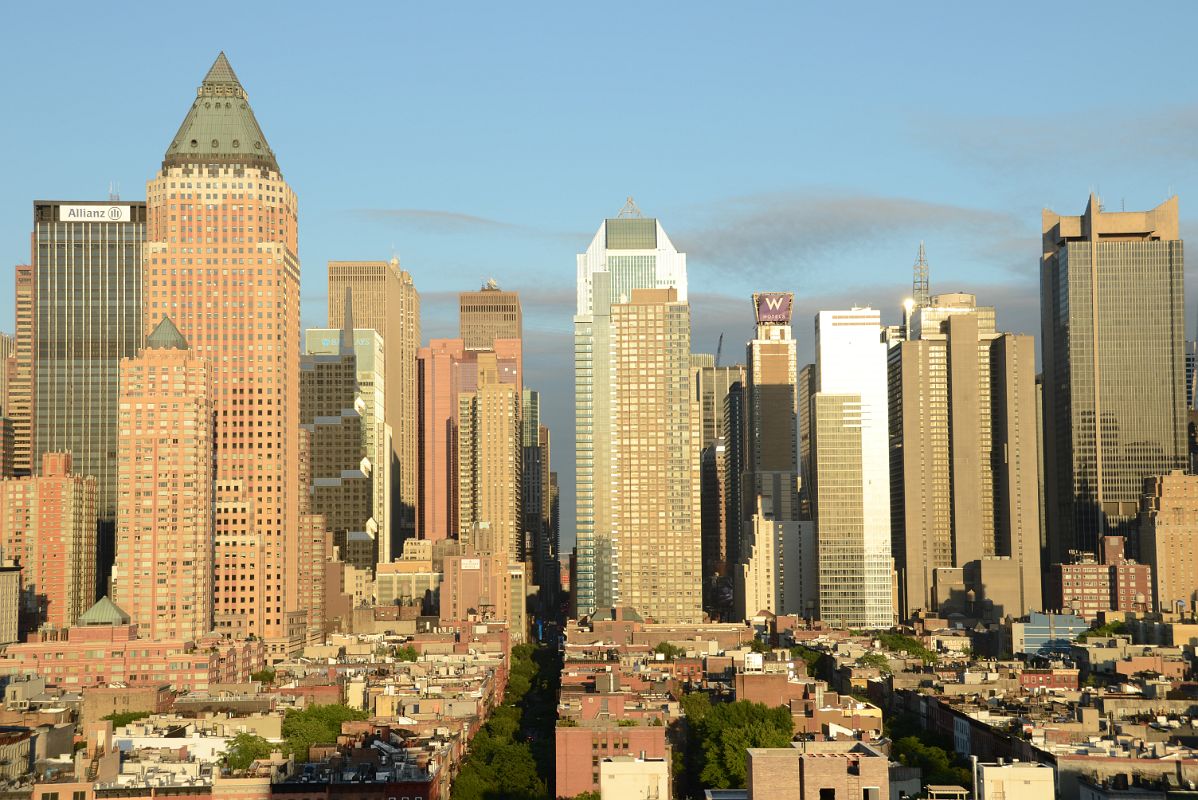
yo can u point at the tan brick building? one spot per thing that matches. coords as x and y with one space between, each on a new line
163 572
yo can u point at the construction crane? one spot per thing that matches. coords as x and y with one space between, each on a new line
719 348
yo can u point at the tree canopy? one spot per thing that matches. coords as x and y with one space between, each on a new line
244 749
315 725
724 731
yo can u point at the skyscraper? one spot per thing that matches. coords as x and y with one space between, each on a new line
1113 347
777 568
164 536
851 476
88 308
490 490
385 298
710 385
964 475
221 259
656 550
1168 534
48 524
19 405
487 315
340 468
447 369
370 360
628 252
535 472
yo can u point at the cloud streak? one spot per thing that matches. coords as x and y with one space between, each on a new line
803 230
1091 138
435 221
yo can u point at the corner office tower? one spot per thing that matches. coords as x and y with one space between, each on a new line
221 261
1113 324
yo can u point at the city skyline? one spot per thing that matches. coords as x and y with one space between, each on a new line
800 177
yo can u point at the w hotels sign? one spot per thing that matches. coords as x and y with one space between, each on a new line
773 307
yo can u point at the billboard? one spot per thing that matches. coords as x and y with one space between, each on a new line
94 214
773 307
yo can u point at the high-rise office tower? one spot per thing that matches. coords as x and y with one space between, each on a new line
19 405
731 467
221 259
777 568
655 508
1113 339
964 472
8 351
487 315
850 470
385 298
341 469
48 524
164 534
628 252
710 385
8 347
370 360
535 471
490 519
446 370
88 307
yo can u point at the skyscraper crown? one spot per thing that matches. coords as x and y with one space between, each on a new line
220 127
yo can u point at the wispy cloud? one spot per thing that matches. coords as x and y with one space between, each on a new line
1093 138
803 230
426 220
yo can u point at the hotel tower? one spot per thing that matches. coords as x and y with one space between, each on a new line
221 260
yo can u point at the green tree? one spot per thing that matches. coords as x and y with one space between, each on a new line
1103 631
876 661
727 730
406 653
897 642
244 749
668 650
760 646
810 657
263 676
121 719
316 725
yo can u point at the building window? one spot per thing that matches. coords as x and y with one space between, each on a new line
827 794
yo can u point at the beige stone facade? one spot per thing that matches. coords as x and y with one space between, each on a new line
385 299
48 524
655 459
964 469
164 536
1169 539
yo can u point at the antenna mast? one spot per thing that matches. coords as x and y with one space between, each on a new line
919 280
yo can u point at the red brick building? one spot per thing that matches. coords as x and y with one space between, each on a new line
582 747
1087 587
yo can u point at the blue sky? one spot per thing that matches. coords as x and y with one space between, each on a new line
796 146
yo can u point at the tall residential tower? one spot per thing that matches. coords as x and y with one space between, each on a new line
628 252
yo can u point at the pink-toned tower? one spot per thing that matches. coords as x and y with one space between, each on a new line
446 370
48 524
163 572
221 258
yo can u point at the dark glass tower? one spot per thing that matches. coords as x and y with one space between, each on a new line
1113 339
88 316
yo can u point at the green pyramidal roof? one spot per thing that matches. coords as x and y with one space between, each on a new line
220 128
166 337
104 612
